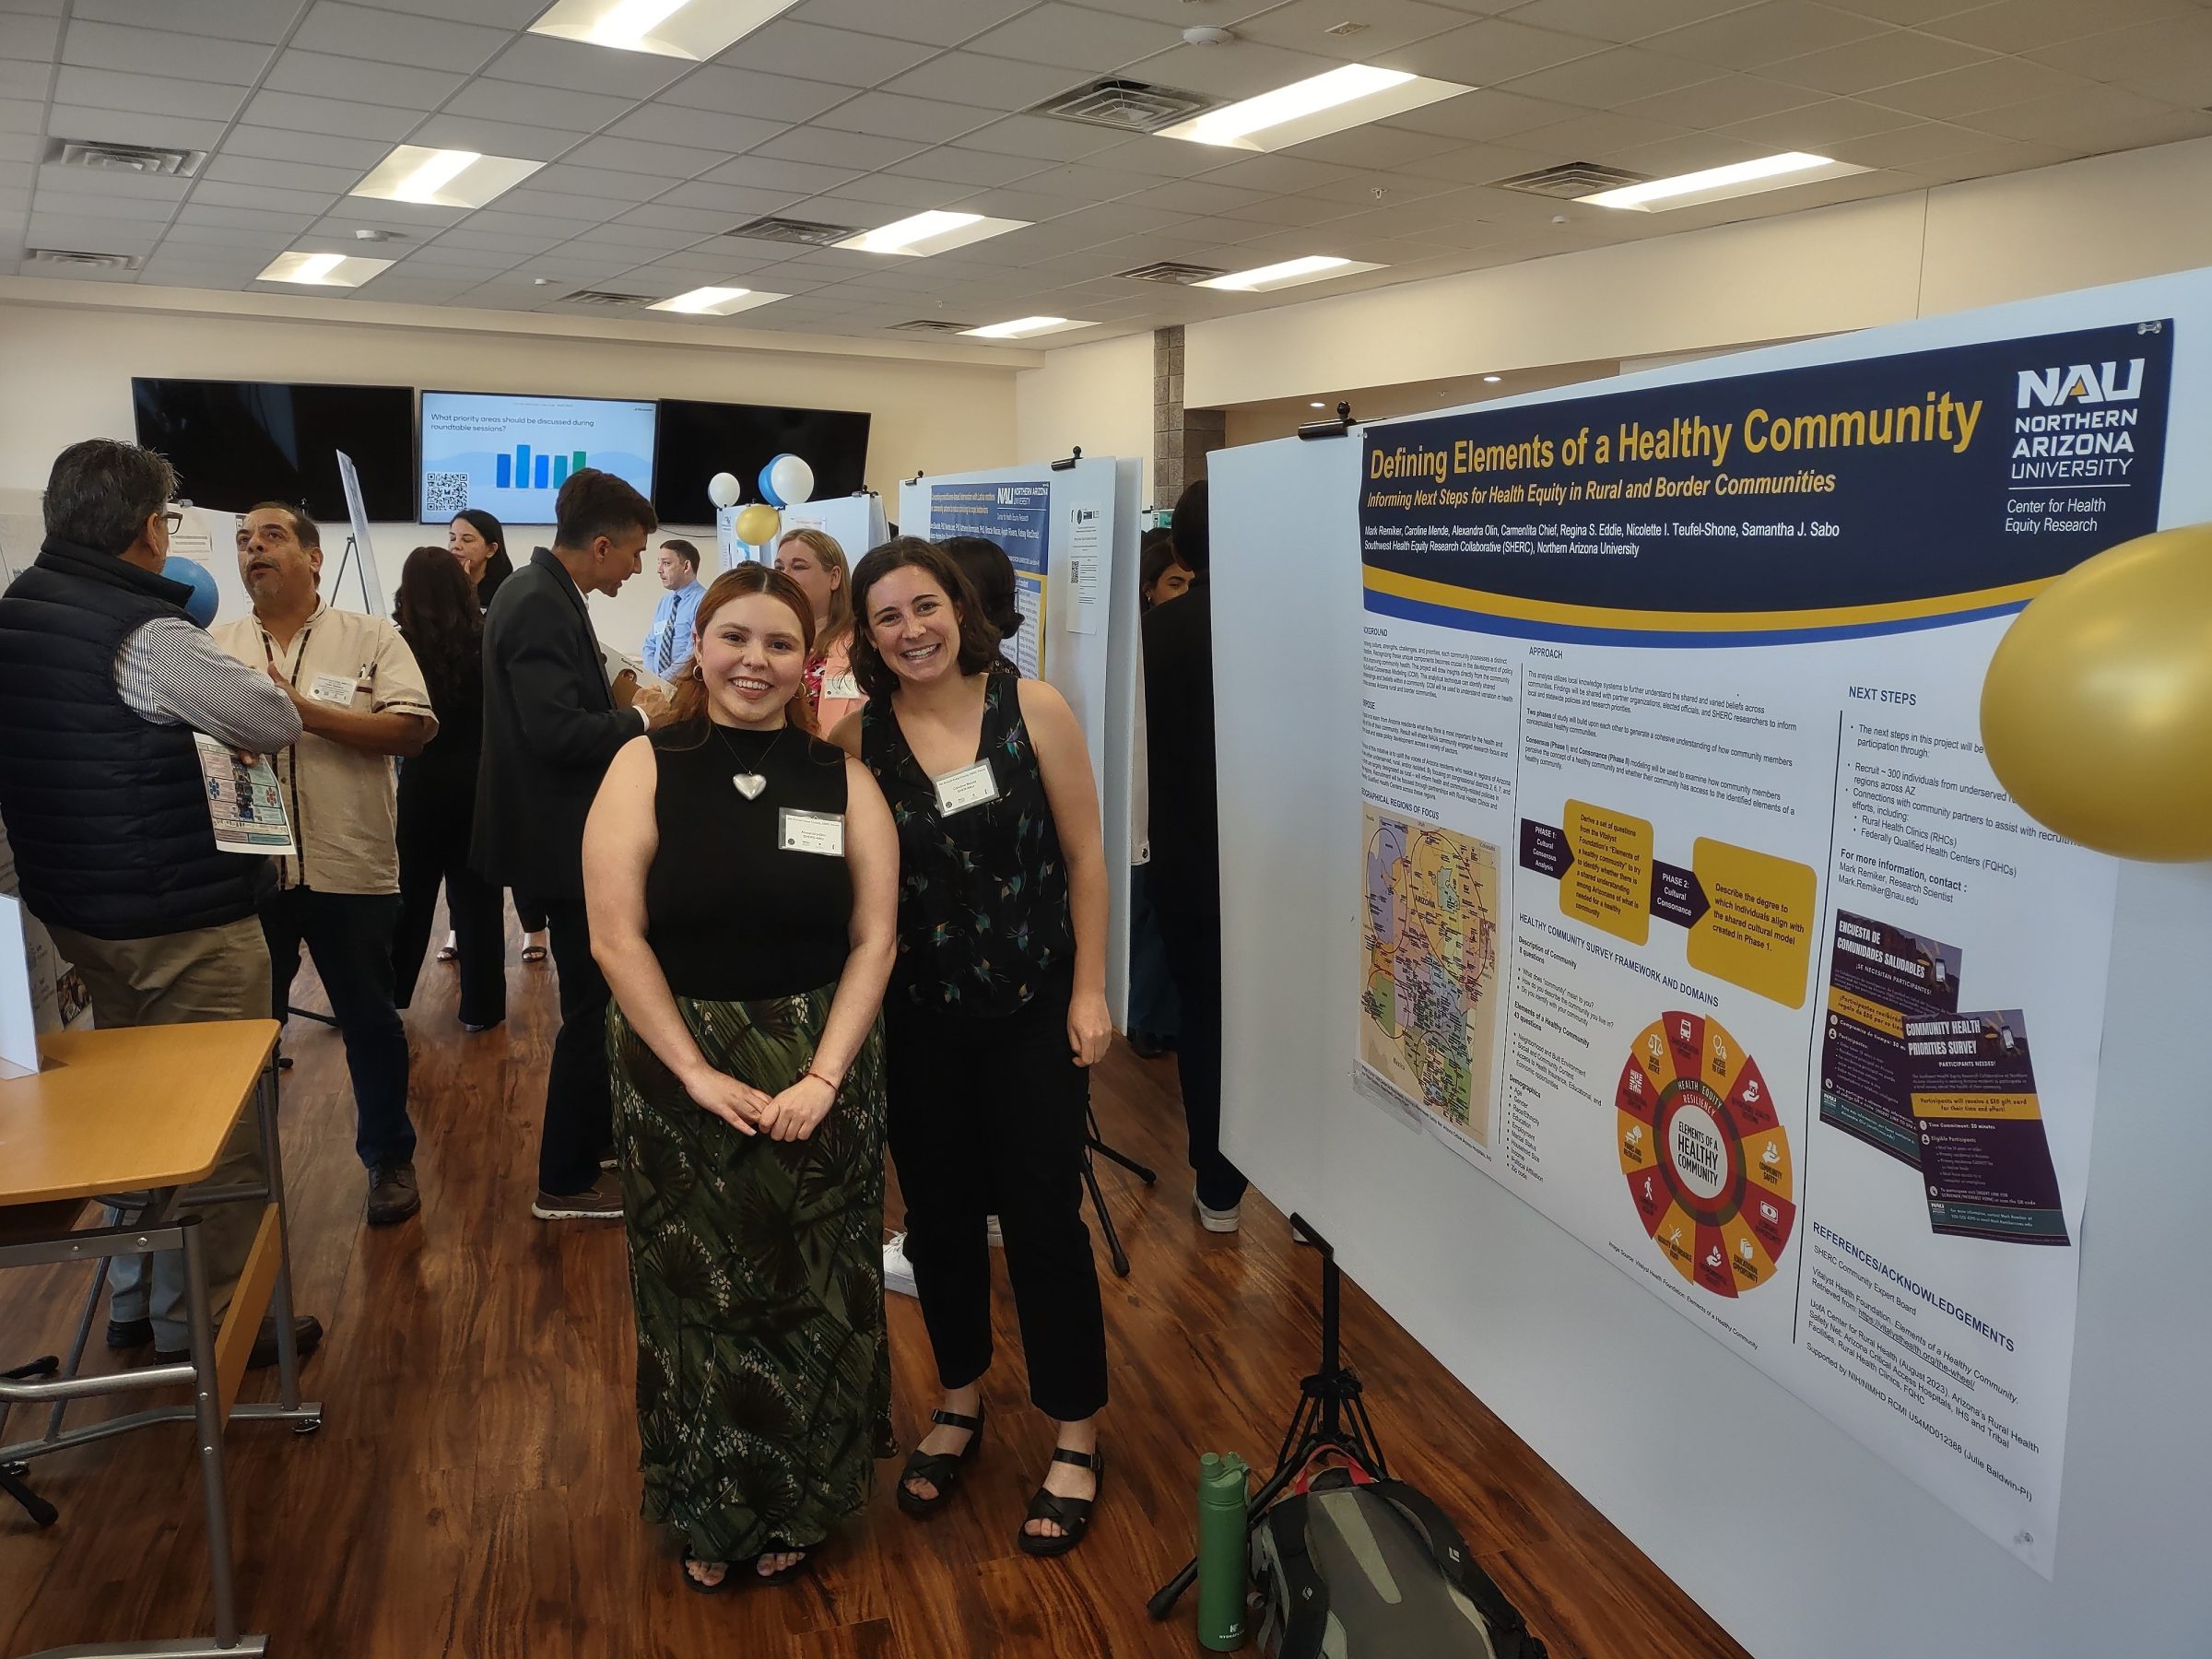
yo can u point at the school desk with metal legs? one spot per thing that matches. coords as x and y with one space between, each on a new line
150 1107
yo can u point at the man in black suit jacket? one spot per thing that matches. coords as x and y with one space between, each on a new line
1183 880
552 724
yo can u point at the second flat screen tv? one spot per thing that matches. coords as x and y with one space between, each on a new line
698 440
509 456
237 443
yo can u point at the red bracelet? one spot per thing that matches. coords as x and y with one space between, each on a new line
835 1084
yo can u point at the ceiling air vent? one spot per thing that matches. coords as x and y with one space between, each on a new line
605 297
930 326
1174 271
1127 105
129 157
79 260
807 231
1570 180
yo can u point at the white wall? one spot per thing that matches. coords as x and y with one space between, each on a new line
1098 395
66 374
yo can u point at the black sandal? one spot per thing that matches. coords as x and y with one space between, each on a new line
717 1587
783 1575
1073 1514
941 1469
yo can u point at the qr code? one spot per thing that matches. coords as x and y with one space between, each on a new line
443 494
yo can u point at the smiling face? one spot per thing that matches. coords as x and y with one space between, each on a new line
278 570
752 659
463 542
816 576
915 628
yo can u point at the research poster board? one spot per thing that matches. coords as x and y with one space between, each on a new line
1014 515
1692 911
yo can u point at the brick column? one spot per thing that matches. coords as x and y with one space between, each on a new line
1182 439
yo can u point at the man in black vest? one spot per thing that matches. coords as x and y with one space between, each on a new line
552 723
103 681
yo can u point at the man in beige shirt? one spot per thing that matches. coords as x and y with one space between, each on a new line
362 702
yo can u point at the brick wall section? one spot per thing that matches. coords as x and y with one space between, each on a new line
1182 439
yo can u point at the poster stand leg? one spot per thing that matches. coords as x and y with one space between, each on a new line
1331 1417
1093 1149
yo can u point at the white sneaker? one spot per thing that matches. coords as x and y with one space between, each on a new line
897 1271
998 1238
1219 1221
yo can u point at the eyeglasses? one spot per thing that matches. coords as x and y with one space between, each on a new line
173 519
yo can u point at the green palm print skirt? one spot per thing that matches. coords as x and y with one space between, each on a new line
764 1381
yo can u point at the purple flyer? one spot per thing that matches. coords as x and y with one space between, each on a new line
1878 975
1983 1157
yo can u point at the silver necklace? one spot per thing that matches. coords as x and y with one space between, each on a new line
750 783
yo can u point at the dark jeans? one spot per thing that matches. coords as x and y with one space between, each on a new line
984 1114
1194 946
1152 1008
579 1107
433 848
349 936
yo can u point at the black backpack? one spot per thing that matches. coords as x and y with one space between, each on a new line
1352 1569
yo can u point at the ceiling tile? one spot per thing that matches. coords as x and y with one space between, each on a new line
1717 102
147 94
1370 189
1016 204
263 20
218 193
734 202
1989 85
1043 140
318 74
844 57
631 155
159 52
529 106
122 126
427 43
1484 114
1085 184
37 38
1484 53
496 14
1075 37
85 181
468 132
750 92
892 116
570 66
1622 21
2029 25
1476 164
1765 34
566 180
93 235
21 78
1880 61
242 218
891 190
1818 126
965 166
578 215
75 204
1195 196
1279 172
699 129
991 83
467 236
23 114
2141 57
829 148
1383 25
1691 152
1914 146
326 149
1909 14
1371 146
1244 71
1162 157
1612 77
292 111
763 173
2071 116
940 23
1592 134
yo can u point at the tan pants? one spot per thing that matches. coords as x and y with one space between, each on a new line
182 979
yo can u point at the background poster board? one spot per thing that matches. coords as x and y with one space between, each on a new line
1763 1509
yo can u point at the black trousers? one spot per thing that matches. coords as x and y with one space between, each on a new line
989 1114
433 849
579 1108
1194 947
529 912
349 935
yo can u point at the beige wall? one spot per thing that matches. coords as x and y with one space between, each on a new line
1098 395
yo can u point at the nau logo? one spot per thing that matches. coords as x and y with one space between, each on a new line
2081 383
1016 498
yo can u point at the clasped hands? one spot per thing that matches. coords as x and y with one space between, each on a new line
791 1116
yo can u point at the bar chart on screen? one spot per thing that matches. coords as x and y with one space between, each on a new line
510 455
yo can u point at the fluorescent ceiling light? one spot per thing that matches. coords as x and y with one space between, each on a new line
1021 328
683 29
715 302
1718 183
322 270
1349 97
1316 267
443 178
933 233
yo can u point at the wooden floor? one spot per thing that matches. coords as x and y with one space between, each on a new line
475 1493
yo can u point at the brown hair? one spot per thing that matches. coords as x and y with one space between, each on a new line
305 531
689 702
683 551
825 546
439 617
979 640
594 503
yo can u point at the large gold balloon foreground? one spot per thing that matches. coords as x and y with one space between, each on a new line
2097 710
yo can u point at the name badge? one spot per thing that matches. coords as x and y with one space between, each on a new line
822 832
337 689
970 786
840 685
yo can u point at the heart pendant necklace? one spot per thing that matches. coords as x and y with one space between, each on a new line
751 782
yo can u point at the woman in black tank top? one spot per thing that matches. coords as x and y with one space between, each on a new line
997 1006
741 876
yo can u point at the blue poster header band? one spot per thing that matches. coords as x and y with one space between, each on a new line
1770 506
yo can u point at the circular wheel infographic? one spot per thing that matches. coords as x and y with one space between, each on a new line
1707 1161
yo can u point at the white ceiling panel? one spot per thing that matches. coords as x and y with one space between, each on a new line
1880 61
466 131
1279 172
534 107
1245 71
1385 26
896 195
22 115
990 83
559 66
326 149
1615 76
497 14
1476 164
1079 182
1309 211
1622 22
631 155
829 148
71 205
542 227
493 242
1075 37
1818 126
1482 115
565 188
25 37
92 181
261 21
2030 25
752 92
108 124
710 130
733 203
841 56
1732 97
764 172
1769 32
217 193
147 94
973 167
941 23
1990 85
1369 190
1490 52
1371 146
143 51
1044 141
291 111
21 78
893 115
318 74
381 37
2142 56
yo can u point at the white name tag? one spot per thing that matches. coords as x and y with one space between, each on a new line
821 832
336 689
840 685
970 786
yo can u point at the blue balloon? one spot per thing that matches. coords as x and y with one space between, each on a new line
768 487
195 575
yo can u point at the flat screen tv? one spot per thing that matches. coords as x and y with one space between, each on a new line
509 456
698 440
236 442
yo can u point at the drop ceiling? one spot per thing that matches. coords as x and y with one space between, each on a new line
858 113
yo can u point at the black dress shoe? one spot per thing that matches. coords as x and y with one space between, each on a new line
392 1195
307 1331
130 1333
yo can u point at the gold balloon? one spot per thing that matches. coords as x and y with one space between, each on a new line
2097 710
757 524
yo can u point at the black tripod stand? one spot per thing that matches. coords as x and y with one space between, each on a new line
1331 1417
1093 1149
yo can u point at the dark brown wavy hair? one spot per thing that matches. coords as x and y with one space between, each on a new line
979 640
689 702
437 613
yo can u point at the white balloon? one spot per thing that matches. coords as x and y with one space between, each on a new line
724 489
793 477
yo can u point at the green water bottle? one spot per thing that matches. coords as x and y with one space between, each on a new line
1223 1566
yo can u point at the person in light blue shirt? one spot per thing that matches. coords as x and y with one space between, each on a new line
669 642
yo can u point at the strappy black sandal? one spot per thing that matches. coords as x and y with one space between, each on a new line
941 1469
1073 1514
717 1587
783 1575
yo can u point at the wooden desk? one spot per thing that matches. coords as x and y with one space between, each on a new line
143 1108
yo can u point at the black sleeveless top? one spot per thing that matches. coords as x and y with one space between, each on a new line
984 916
731 915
